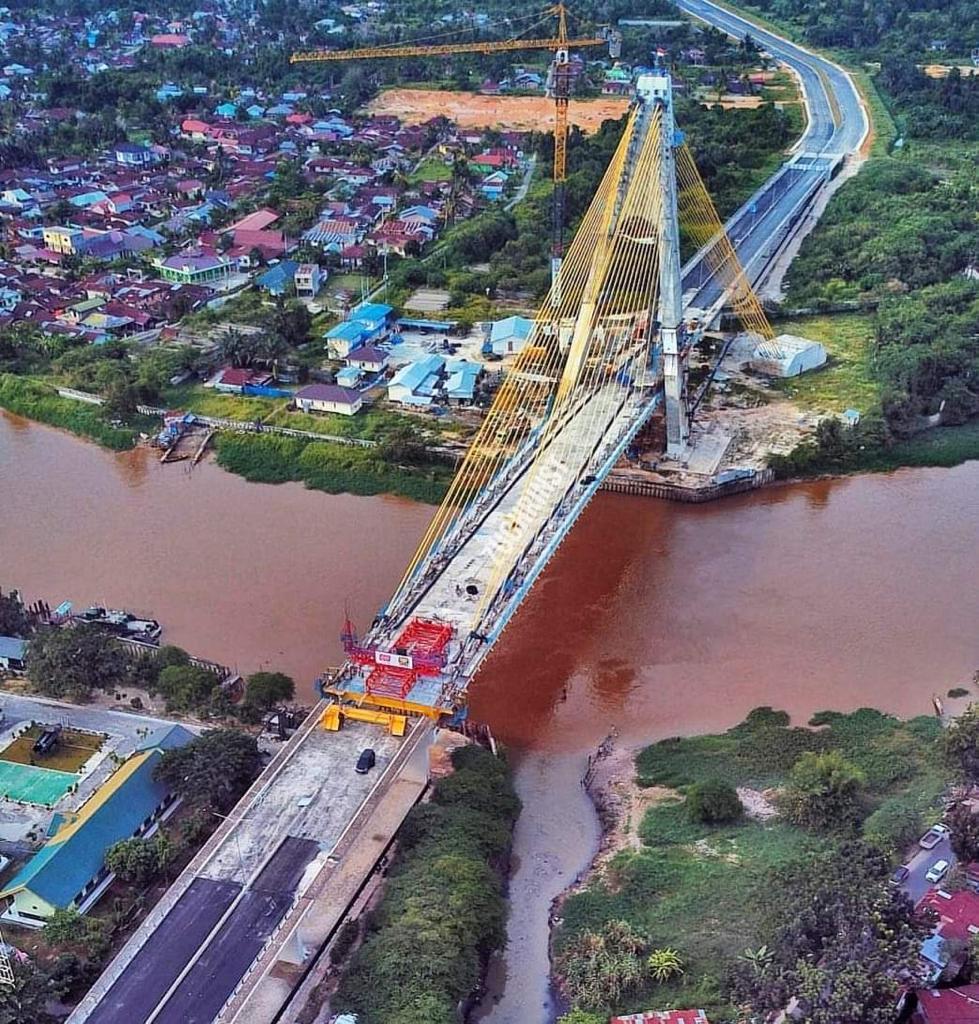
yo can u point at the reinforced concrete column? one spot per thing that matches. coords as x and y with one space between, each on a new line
670 316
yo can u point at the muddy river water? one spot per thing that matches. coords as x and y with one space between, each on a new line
654 618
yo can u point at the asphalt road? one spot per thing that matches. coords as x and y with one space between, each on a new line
758 227
915 885
166 953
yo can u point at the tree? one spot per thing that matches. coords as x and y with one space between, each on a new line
893 825
838 936
25 1001
186 687
582 1017
598 969
266 689
212 770
961 743
72 662
14 620
664 964
139 860
822 791
964 824
713 802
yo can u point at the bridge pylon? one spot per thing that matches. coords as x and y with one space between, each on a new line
657 90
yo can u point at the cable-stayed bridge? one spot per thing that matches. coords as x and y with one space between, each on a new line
240 935
608 345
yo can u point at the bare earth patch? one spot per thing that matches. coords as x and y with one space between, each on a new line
473 110
758 804
621 803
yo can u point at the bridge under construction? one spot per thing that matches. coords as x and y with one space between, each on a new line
609 344
242 934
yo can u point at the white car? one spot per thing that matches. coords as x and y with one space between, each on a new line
933 837
937 871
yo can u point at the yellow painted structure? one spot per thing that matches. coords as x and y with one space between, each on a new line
333 718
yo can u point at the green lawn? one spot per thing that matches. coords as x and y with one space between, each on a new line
208 402
432 168
847 380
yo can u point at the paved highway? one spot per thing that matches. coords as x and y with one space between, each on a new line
836 128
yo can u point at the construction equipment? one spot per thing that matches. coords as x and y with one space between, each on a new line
558 86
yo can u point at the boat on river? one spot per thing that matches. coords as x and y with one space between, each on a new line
122 623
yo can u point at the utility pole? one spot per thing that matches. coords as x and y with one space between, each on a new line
659 88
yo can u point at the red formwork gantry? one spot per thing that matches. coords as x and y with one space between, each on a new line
419 650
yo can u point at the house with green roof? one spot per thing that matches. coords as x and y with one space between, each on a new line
69 870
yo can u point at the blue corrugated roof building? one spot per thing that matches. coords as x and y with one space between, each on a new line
70 868
279 279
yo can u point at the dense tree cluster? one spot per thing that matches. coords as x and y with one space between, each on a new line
443 911
840 939
213 770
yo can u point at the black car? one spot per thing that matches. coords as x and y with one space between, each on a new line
366 761
900 874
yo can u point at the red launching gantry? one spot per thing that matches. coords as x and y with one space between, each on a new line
419 650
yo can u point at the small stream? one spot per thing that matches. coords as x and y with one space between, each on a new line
553 843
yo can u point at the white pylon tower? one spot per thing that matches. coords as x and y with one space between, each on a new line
658 88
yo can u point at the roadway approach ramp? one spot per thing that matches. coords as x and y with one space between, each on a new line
230 922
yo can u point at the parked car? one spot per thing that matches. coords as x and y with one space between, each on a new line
937 871
933 837
900 874
366 761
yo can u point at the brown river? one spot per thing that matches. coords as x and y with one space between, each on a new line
654 618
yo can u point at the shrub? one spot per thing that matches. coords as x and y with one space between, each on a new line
893 825
713 802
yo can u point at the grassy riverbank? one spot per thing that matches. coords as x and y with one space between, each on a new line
443 911
334 468
42 403
706 889
861 451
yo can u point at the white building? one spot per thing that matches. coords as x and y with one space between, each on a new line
787 355
510 335
329 398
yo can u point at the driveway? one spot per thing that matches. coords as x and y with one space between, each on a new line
915 885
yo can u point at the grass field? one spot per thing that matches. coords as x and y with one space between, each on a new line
207 402
431 169
73 750
704 890
847 380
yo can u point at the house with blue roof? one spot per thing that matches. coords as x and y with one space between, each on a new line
417 383
508 336
13 653
460 382
341 338
280 279
69 870
255 110
367 323
225 110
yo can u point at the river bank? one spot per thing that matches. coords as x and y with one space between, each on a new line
258 457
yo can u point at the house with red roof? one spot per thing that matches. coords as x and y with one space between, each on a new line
959 1005
663 1017
170 41
957 913
235 380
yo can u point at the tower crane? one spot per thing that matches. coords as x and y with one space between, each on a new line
558 87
